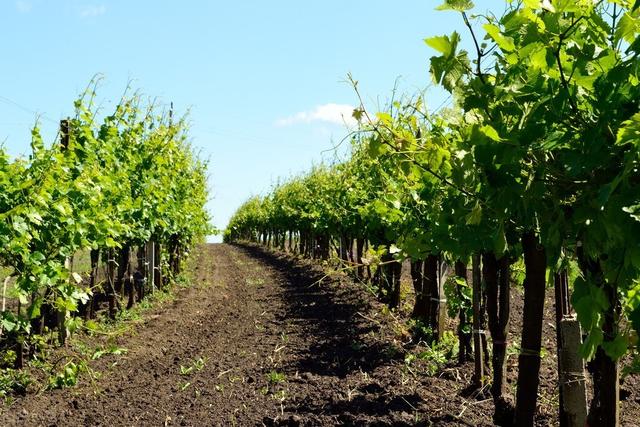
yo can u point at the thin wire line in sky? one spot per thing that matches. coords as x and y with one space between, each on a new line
26 109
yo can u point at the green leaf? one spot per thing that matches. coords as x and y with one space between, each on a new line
629 132
34 309
457 5
617 348
505 43
626 28
532 4
590 346
475 216
446 45
34 217
358 114
385 118
589 302
20 225
38 257
8 325
440 43
538 60
490 132
500 242
23 298
450 70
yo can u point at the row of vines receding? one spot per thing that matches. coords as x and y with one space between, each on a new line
533 168
91 224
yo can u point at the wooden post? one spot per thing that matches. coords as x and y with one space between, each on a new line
111 274
65 125
572 379
93 279
441 317
62 313
150 264
478 350
157 261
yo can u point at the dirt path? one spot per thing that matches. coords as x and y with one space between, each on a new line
279 348
274 345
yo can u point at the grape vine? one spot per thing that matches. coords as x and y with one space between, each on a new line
536 160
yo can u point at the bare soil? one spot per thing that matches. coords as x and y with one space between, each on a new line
282 345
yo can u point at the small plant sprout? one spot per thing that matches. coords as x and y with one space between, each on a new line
275 377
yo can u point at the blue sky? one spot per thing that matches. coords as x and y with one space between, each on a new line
265 81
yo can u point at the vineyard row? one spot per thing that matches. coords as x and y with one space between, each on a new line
533 169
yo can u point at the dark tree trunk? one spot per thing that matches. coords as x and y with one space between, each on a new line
388 280
366 248
421 307
302 244
141 273
94 255
129 283
157 263
359 255
431 285
343 247
123 268
496 279
394 271
313 245
179 254
48 315
605 408
325 241
437 272
464 336
529 360
110 281
174 255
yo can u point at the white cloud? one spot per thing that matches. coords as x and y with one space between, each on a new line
24 6
328 113
91 11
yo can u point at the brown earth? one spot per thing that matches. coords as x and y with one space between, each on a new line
282 344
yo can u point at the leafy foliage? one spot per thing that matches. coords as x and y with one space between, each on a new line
542 136
100 186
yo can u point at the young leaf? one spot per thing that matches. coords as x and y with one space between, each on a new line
446 45
617 348
475 216
457 5
505 43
